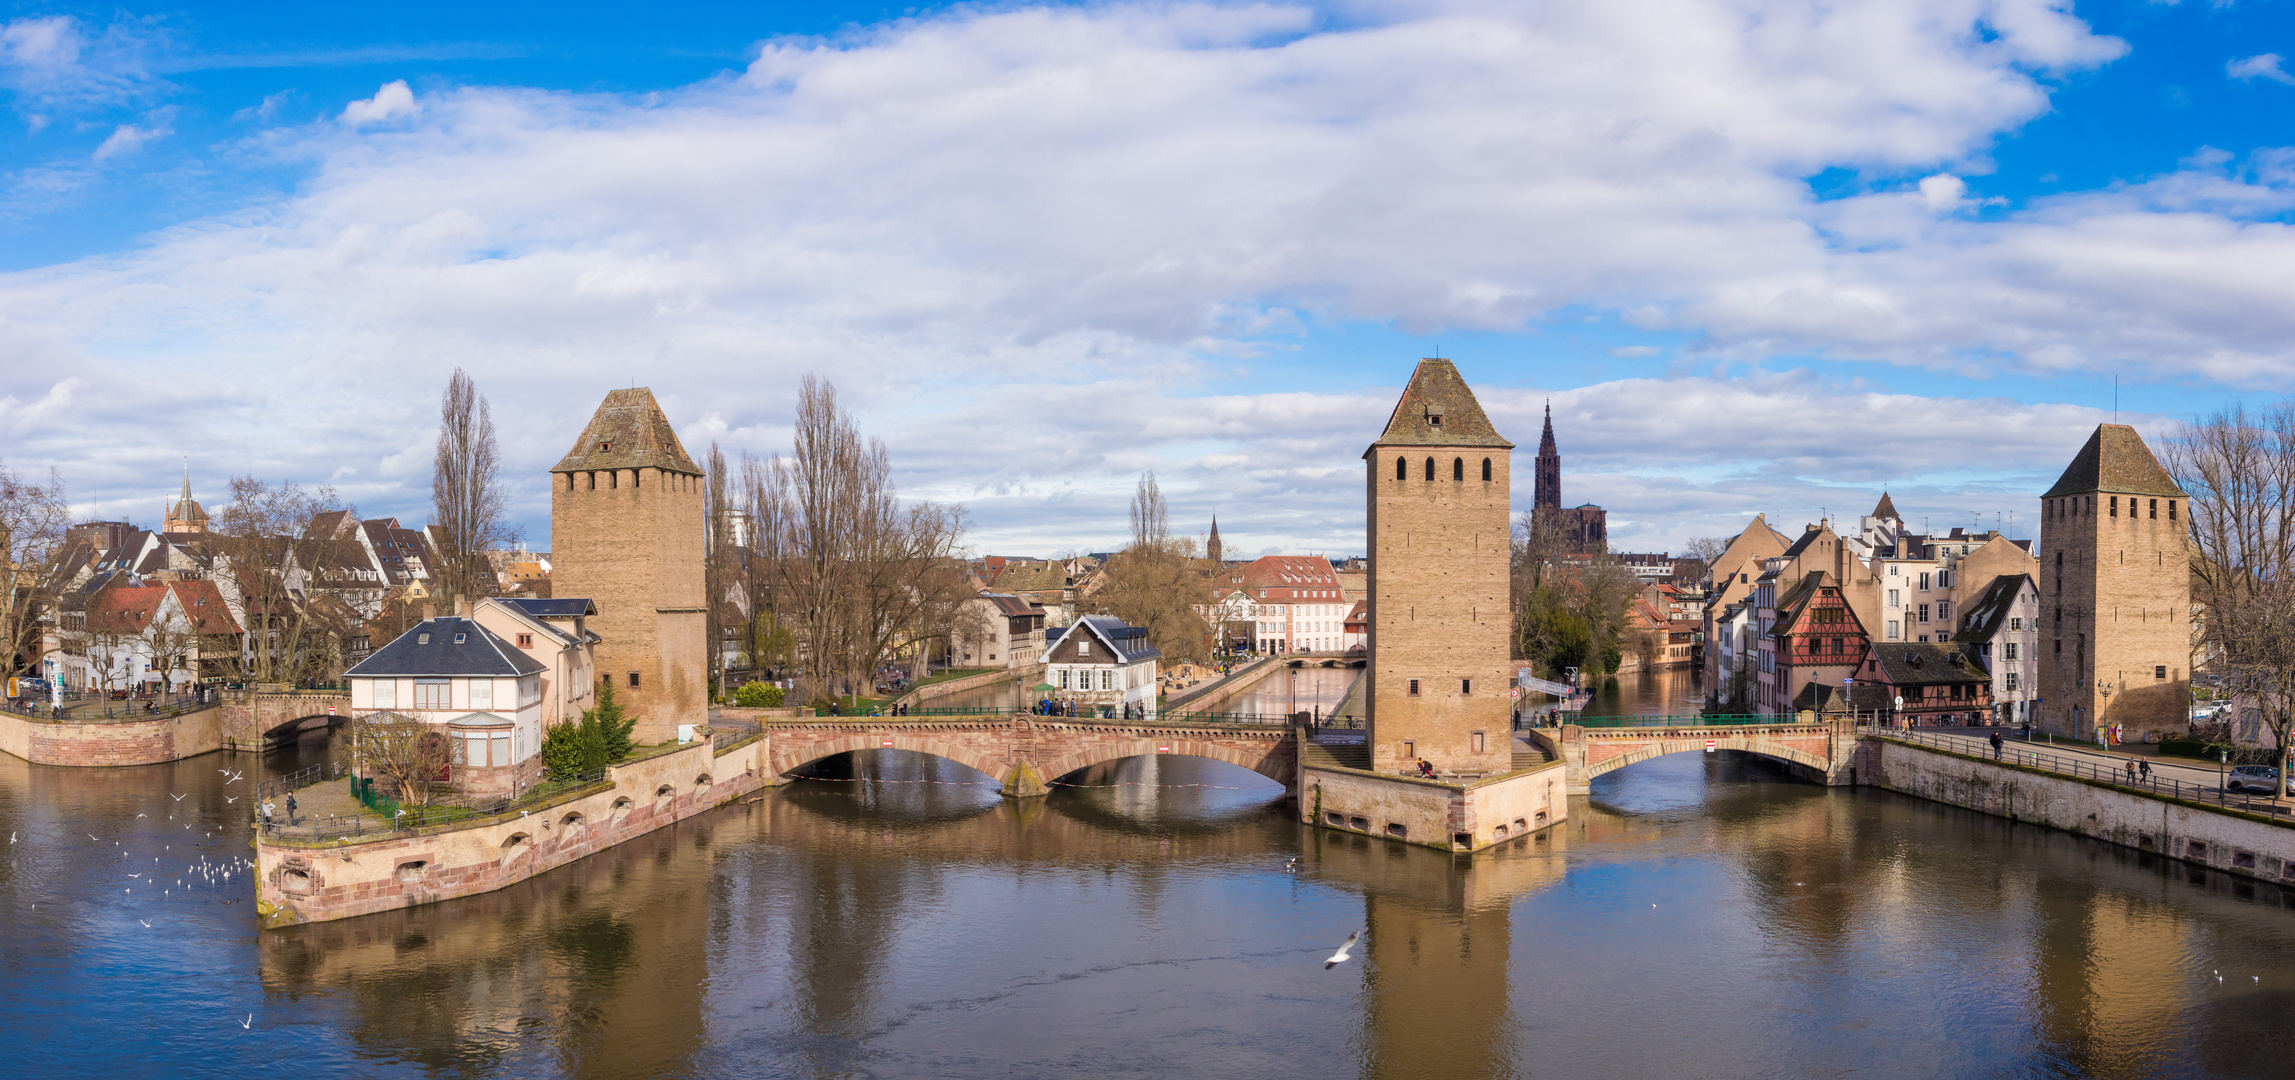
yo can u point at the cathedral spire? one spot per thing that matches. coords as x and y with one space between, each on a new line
1548 490
1211 548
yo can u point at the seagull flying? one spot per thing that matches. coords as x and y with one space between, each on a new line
249 1022
1341 956
146 923
231 800
179 798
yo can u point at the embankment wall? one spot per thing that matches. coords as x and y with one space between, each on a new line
120 742
2234 841
301 882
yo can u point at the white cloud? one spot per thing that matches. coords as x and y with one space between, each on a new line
390 102
1025 241
1635 351
2262 66
128 138
55 60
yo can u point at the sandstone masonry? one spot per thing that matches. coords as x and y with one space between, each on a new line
2115 592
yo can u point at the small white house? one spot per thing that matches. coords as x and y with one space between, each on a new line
1105 665
483 693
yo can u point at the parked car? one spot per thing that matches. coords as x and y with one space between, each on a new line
2252 778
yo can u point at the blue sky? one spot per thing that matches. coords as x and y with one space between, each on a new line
1763 256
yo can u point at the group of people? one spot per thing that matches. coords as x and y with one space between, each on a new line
268 814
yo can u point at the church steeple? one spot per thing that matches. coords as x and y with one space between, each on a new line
185 516
1548 491
1211 548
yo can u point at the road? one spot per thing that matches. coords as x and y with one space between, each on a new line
1978 741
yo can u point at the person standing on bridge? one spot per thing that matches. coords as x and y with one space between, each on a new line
1995 746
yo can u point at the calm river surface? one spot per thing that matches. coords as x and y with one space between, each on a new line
1699 916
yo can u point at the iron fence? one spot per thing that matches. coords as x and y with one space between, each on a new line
391 815
2031 756
86 712
296 781
1726 720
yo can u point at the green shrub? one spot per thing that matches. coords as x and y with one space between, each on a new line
758 695
600 738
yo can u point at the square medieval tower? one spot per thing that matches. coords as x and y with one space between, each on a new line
626 533
1439 624
2115 592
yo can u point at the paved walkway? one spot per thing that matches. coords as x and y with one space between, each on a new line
1979 742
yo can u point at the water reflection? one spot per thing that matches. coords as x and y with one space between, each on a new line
1698 915
1677 691
1295 689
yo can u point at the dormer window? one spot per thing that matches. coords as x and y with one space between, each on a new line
605 447
1434 415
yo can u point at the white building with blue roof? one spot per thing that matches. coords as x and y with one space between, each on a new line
484 693
1103 664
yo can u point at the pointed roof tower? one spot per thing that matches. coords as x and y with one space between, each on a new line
1211 548
1886 510
2115 459
185 515
1546 439
1437 409
628 432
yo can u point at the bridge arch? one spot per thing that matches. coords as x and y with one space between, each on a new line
1266 761
789 758
1656 748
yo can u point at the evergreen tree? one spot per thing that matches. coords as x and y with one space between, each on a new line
600 738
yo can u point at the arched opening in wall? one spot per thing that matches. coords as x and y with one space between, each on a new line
894 781
1161 790
571 828
614 480
1457 469
621 809
1430 469
410 872
701 785
295 882
663 795
516 847
1689 779
1485 470
1402 469
592 477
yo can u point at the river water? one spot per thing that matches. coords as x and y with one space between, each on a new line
1698 916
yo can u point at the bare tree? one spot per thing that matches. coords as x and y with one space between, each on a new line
721 563
407 752
33 518
1705 549
295 585
466 502
2238 467
1157 582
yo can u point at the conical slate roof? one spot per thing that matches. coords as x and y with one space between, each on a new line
1437 409
1886 510
2115 460
628 432
1546 446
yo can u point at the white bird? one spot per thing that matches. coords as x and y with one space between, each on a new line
1341 956
1293 864
11 838
146 923
178 798
231 800
135 875
249 1022
143 815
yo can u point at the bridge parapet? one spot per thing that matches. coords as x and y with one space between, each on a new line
1819 751
1026 754
251 716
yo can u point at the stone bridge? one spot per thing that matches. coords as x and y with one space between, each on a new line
1822 753
1023 753
253 717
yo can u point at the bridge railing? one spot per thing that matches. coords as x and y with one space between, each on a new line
397 817
2085 768
100 711
1726 720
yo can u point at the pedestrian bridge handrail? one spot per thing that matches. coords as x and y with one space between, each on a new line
2030 756
1682 721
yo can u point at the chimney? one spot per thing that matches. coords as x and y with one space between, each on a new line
462 606
429 611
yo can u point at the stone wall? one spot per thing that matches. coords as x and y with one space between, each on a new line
249 717
922 697
630 541
1433 813
2219 838
307 882
124 742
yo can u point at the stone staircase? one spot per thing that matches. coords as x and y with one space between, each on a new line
1336 756
1527 754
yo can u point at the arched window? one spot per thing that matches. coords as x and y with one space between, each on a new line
1458 468
1430 468
1485 470
1401 469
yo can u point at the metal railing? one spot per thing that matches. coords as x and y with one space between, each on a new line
2033 756
1727 720
113 712
392 816
295 781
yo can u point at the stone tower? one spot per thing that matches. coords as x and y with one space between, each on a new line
184 515
2115 592
1547 494
626 532
1437 509
1212 550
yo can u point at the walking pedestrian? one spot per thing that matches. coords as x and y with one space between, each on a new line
2144 767
2131 770
290 808
1996 746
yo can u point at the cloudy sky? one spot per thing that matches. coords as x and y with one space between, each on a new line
1761 255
